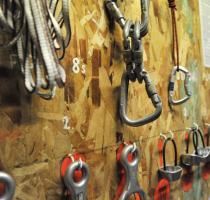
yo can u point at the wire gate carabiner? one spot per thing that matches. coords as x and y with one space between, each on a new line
75 174
133 58
9 186
128 160
171 86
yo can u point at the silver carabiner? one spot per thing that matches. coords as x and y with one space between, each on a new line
172 84
115 12
152 94
77 189
10 186
131 169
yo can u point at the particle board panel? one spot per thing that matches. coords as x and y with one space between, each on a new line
32 148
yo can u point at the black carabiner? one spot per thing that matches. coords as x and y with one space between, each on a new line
170 172
152 94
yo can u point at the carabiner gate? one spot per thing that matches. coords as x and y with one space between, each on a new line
172 84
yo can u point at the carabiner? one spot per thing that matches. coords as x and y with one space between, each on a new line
131 169
77 189
10 186
115 12
170 172
144 17
152 94
127 51
186 86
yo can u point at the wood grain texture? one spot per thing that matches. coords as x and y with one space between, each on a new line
32 147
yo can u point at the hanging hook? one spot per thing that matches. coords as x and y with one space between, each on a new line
172 134
163 136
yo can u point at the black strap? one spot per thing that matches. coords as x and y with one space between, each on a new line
195 141
164 152
208 136
200 133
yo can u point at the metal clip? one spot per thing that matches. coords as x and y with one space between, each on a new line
170 172
115 12
131 169
186 86
127 52
152 94
77 189
10 186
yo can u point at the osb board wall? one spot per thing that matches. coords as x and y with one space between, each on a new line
32 138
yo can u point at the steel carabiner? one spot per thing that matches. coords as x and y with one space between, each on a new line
131 169
10 186
77 189
152 94
172 84
115 12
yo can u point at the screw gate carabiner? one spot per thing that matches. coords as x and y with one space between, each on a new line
10 186
131 171
191 159
115 12
172 84
170 172
77 189
152 94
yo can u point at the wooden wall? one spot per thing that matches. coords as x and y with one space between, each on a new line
33 140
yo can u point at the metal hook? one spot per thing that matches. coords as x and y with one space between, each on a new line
134 147
172 134
163 136
81 163
195 125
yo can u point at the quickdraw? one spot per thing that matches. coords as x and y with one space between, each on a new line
128 159
40 43
170 172
177 67
133 57
9 183
75 174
